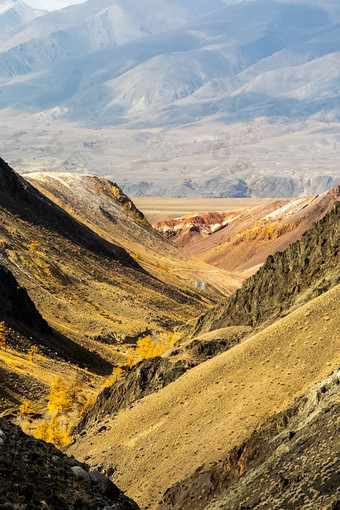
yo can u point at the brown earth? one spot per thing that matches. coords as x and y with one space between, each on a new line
306 269
242 240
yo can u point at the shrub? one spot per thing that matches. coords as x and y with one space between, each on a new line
3 336
117 375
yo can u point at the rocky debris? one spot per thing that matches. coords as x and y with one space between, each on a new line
307 269
290 462
35 475
147 377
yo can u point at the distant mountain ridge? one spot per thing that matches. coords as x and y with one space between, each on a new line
195 98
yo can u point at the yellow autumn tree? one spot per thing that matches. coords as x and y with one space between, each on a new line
3 336
58 433
117 375
54 432
42 431
26 408
149 348
60 398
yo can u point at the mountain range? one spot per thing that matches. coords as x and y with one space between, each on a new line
180 98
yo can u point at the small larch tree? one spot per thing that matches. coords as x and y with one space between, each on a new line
3 336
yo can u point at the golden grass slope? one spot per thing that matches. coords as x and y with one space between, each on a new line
97 203
217 405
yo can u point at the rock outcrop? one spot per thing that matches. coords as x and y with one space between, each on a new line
305 270
144 378
35 475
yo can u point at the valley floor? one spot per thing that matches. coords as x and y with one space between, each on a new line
163 208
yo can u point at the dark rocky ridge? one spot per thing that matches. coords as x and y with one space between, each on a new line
291 462
35 475
307 269
144 378
153 374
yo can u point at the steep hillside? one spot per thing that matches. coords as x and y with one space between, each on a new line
83 285
151 375
265 471
26 373
216 406
37 475
102 206
307 268
242 240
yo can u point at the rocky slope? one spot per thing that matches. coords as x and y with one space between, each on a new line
308 268
215 407
24 329
151 375
35 475
265 471
145 378
242 240
87 260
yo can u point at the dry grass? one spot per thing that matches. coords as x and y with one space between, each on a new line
43 371
217 405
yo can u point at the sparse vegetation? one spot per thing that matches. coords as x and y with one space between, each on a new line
66 404
164 266
32 352
117 375
34 246
26 408
3 336
149 347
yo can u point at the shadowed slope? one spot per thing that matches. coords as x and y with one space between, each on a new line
37 475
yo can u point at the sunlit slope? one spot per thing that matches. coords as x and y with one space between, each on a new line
217 405
103 207
308 268
84 286
241 240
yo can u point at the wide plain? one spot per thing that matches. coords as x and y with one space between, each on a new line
163 208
